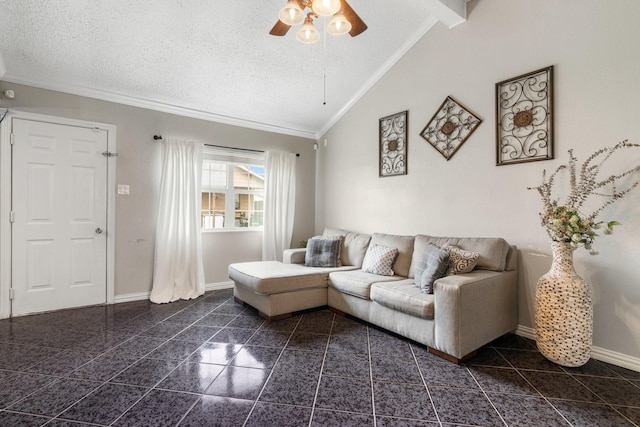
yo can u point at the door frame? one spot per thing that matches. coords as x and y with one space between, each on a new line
5 200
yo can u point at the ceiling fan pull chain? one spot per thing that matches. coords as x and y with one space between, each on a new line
324 66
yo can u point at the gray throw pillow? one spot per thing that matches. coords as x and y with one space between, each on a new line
322 252
332 237
432 265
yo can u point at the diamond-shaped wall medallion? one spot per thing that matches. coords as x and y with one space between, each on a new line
450 127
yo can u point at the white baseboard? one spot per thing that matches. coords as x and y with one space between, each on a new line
527 332
141 296
218 286
597 353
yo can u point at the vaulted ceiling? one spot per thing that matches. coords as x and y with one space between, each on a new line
213 60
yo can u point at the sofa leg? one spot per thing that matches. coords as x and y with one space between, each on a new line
274 318
451 358
238 300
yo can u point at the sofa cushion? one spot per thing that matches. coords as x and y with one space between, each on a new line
379 260
405 246
404 296
323 251
271 277
354 246
330 231
461 261
493 251
357 282
432 265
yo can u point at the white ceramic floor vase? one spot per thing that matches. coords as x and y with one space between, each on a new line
564 311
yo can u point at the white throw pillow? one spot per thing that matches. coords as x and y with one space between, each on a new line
379 260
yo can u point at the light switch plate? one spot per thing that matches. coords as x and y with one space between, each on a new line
123 189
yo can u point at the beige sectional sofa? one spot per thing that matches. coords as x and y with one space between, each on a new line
464 312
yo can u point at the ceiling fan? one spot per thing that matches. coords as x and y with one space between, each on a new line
345 19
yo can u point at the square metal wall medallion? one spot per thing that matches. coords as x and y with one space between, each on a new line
450 127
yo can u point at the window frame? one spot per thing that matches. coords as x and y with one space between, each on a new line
232 158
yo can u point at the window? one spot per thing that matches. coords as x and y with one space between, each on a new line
232 190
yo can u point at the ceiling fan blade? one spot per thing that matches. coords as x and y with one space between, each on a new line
280 29
357 24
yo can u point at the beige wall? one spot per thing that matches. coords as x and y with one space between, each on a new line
138 165
595 48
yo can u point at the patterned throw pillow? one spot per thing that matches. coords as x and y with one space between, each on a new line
341 238
432 265
379 260
460 260
323 252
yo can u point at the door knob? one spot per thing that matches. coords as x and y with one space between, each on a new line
98 230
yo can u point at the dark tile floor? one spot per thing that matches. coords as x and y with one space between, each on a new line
211 362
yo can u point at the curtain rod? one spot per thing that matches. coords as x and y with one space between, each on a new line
157 137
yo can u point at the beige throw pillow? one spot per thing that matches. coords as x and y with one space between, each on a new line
461 261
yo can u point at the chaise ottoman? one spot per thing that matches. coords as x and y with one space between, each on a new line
277 289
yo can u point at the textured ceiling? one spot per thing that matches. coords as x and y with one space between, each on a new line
209 59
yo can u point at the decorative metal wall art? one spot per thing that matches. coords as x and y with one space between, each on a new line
450 127
393 144
524 118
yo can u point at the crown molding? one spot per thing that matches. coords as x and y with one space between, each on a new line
449 12
429 23
159 106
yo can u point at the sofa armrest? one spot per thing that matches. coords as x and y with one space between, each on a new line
294 256
471 310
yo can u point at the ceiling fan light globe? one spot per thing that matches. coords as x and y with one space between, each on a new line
308 33
338 25
326 7
291 14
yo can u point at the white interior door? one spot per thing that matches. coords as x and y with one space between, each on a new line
59 205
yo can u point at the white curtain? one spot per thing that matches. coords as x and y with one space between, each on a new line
178 272
279 204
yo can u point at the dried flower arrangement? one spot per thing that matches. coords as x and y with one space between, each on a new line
565 222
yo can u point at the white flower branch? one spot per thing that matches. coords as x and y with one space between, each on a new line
555 216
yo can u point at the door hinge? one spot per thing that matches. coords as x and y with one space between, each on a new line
109 154
11 293
12 217
12 139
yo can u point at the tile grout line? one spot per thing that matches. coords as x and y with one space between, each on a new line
99 383
577 377
112 336
424 382
153 387
138 335
373 404
324 359
545 398
173 370
610 405
271 371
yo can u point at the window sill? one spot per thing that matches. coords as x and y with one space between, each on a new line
231 230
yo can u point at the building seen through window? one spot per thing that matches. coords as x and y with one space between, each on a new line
232 195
